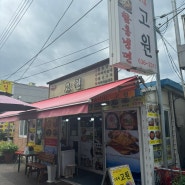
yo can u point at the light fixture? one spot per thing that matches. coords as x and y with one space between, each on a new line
103 104
67 120
78 118
92 119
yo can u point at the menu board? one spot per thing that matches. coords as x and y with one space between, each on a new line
8 128
31 131
154 131
51 131
122 139
157 153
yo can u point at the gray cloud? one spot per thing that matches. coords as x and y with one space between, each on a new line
38 22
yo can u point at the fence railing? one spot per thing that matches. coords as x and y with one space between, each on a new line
166 176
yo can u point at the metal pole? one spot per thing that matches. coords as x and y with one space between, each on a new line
178 39
183 23
159 91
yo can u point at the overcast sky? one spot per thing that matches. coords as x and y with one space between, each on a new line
26 25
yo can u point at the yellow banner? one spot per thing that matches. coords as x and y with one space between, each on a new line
6 86
121 175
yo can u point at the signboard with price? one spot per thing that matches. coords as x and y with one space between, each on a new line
119 175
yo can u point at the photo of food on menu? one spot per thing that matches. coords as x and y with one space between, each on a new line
122 139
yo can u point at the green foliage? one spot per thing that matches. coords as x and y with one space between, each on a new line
179 180
8 146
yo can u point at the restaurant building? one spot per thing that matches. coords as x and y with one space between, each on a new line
108 125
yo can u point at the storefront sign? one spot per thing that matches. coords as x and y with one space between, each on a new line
74 85
121 175
6 86
104 74
114 95
118 103
130 48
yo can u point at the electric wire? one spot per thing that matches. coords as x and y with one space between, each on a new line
53 60
171 18
57 38
164 26
71 53
78 20
61 65
169 44
48 37
11 20
174 66
10 30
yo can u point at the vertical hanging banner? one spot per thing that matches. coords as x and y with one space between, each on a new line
131 35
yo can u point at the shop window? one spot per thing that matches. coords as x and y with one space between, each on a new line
91 148
23 129
73 127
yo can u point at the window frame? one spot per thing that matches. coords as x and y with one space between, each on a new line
23 127
169 132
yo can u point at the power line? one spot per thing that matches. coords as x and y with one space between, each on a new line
12 24
174 66
71 26
48 37
71 53
61 65
171 17
9 25
56 38
65 55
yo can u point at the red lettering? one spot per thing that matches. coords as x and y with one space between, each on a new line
144 62
143 1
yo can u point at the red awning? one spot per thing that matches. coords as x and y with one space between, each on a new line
79 97
74 103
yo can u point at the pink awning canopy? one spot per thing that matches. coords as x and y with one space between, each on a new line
70 104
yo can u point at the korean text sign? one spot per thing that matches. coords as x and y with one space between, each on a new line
132 38
121 175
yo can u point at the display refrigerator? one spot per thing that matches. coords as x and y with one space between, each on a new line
68 165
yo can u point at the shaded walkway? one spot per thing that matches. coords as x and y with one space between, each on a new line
10 176
86 178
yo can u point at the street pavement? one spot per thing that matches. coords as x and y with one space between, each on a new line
10 176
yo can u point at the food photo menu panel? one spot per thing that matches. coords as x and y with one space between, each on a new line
122 139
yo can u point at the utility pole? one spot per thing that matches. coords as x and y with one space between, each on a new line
178 39
160 102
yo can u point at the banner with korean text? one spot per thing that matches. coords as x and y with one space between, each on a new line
131 35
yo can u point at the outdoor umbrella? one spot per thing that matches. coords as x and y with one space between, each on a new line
12 104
